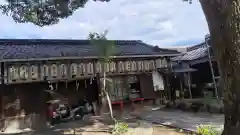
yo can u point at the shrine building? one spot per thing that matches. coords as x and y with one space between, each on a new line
72 68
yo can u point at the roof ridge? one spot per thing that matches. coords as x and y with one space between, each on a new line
59 41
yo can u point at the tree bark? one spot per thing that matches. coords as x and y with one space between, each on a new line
107 95
106 101
224 26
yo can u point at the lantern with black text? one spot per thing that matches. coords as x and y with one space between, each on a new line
106 67
90 68
133 66
82 69
164 63
146 65
120 67
127 66
73 70
34 72
140 65
98 67
152 65
63 70
23 73
13 73
112 67
54 71
45 71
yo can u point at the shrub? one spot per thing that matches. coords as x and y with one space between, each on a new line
207 130
119 128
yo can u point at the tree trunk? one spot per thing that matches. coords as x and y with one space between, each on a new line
224 26
106 101
107 96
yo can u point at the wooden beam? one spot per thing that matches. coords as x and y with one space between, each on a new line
87 57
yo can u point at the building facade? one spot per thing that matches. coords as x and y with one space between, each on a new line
72 69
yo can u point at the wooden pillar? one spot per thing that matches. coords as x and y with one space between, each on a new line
1 103
1 90
189 85
181 88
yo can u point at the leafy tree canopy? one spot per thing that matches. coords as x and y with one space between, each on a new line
43 12
104 46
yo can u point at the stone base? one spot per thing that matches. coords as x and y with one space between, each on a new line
19 123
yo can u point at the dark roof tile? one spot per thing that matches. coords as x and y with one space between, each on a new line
46 48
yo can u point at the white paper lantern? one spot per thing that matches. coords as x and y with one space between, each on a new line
34 71
146 65
45 71
121 66
63 70
107 67
90 68
73 69
54 70
13 73
133 66
112 67
127 66
82 68
98 67
23 74
152 65
140 65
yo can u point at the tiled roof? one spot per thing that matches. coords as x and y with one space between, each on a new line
47 48
193 54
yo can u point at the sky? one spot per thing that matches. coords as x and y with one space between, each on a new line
165 23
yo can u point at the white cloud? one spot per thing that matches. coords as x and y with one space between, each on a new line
162 22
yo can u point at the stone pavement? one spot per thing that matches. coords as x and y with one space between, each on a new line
184 120
144 128
96 127
148 115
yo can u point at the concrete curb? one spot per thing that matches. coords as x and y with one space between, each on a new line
167 125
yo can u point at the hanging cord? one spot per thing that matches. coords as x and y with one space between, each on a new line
77 85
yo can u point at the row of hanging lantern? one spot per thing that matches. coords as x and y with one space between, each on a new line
74 70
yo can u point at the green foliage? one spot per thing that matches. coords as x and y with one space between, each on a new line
41 12
207 130
105 48
119 128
